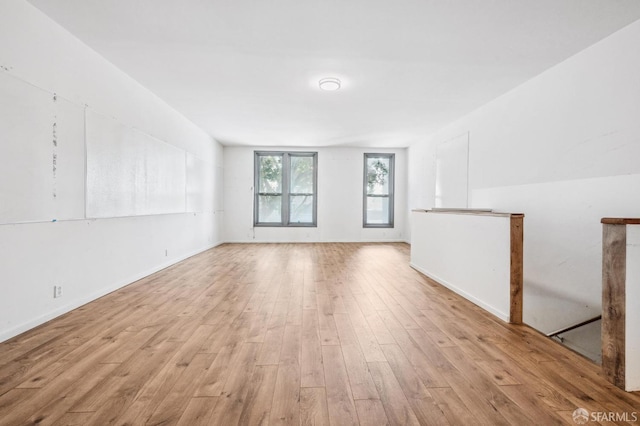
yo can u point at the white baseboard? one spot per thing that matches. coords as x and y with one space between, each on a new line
21 328
312 242
469 297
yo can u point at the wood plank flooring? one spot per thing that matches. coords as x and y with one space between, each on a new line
294 334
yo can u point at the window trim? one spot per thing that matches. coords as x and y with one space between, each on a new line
286 189
390 195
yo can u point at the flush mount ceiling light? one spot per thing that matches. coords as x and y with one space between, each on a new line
330 84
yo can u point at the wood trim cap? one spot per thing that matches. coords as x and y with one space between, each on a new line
620 221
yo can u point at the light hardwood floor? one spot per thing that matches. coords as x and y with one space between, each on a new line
308 334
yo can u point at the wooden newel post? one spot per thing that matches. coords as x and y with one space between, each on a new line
517 274
620 291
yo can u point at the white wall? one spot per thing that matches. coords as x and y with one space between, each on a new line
340 179
563 149
443 241
91 257
632 313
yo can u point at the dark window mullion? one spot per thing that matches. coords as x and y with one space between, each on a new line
286 192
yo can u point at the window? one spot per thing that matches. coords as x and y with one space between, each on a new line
285 188
378 190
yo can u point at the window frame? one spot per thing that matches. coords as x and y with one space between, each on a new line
390 195
285 218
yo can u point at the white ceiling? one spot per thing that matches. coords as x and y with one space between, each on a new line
247 71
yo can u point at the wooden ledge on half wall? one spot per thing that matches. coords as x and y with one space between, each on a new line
620 221
469 211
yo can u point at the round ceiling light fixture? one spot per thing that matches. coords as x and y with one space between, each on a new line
330 84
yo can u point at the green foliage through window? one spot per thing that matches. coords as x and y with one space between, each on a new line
377 173
271 174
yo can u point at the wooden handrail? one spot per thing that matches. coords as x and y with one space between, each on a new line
573 327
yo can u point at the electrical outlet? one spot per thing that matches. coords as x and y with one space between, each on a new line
57 291
166 252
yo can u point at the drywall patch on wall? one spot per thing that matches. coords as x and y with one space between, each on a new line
54 159
452 172
200 180
42 154
130 173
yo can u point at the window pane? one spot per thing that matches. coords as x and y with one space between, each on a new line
378 175
301 209
301 175
377 210
270 208
270 180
